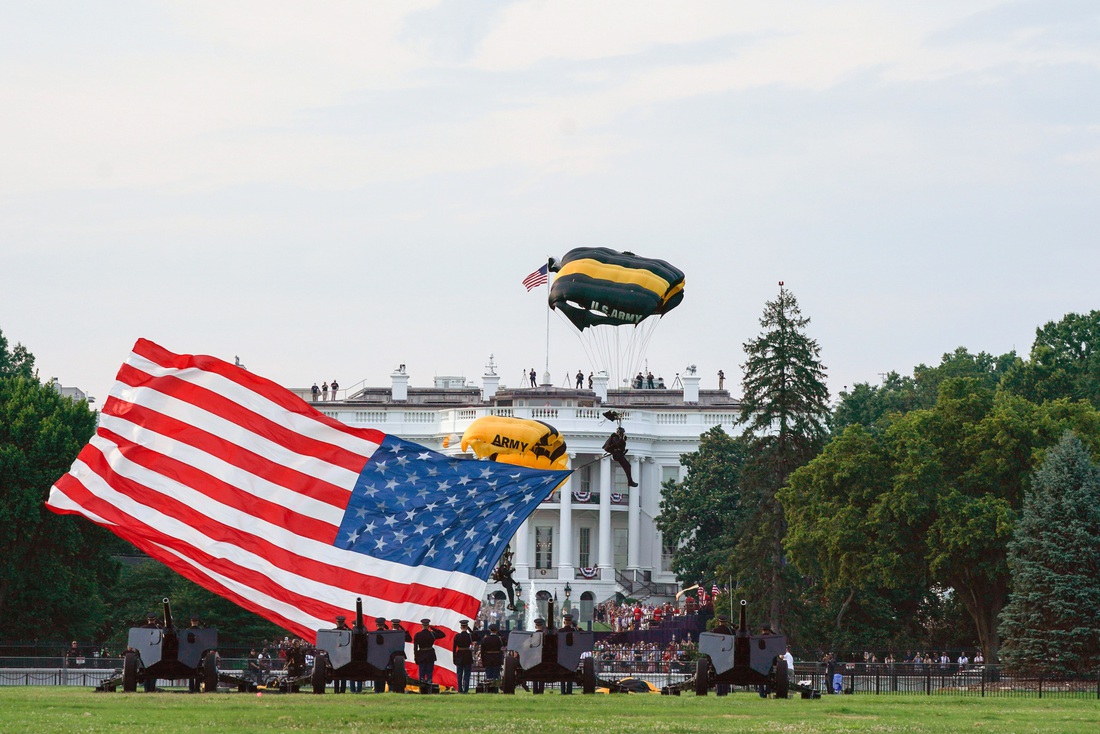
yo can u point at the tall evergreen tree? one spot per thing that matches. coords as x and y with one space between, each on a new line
1051 622
785 412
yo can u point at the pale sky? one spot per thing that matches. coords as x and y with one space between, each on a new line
329 189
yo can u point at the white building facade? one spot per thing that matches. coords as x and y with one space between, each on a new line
594 536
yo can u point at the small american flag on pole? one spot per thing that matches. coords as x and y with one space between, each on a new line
240 486
537 278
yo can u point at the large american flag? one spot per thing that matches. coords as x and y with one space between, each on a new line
245 489
537 278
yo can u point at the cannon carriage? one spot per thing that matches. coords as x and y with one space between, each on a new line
167 652
741 659
358 655
549 656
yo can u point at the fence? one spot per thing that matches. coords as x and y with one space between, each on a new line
856 678
933 680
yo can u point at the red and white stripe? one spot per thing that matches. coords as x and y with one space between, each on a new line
240 486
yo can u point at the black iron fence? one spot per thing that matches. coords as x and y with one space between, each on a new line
844 679
952 680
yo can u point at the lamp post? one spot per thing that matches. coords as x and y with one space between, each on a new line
568 590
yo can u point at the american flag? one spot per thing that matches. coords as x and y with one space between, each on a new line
537 278
714 590
240 486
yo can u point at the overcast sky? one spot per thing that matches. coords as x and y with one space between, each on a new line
327 189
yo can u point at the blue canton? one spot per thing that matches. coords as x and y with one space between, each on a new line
418 507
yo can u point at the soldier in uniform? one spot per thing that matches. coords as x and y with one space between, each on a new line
463 656
568 625
379 626
195 684
492 657
540 626
152 622
341 686
722 628
424 653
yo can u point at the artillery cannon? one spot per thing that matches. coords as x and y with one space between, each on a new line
166 652
359 655
742 659
549 656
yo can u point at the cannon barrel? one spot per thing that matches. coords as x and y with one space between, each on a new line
359 627
742 623
168 624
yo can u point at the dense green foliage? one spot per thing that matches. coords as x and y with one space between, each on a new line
702 515
1052 621
53 568
1064 362
142 587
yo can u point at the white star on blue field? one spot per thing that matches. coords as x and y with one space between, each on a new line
418 507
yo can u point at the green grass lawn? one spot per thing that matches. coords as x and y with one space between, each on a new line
31 710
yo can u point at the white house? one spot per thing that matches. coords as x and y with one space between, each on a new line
595 536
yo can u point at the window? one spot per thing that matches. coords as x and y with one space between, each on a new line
544 546
620 539
586 478
666 556
584 554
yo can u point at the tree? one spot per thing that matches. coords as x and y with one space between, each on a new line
52 567
1064 363
703 512
940 489
16 362
1051 623
784 410
868 404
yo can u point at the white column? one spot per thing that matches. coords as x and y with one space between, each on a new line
607 560
565 527
523 555
634 517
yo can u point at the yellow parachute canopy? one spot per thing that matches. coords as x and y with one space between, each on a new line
516 441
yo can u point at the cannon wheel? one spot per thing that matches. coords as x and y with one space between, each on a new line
782 680
398 679
210 672
588 675
508 682
702 675
129 673
318 676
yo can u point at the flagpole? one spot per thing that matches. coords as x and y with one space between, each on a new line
546 367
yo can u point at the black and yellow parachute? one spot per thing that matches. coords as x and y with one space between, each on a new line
517 441
596 286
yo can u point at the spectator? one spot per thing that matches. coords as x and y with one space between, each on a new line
315 391
324 391
333 387
580 379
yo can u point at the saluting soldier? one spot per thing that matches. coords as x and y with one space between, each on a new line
424 653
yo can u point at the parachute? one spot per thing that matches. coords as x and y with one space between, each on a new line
517 441
597 286
600 291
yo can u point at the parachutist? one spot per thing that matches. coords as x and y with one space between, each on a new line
503 575
616 446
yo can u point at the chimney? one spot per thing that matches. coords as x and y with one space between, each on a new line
400 391
691 388
599 385
490 382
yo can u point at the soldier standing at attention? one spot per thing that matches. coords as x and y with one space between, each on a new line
341 686
463 656
379 685
722 628
492 657
424 653
194 685
568 625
